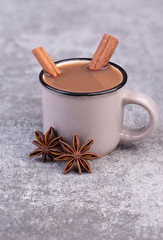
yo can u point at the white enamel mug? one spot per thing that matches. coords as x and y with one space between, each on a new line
97 115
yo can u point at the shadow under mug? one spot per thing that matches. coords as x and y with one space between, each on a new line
97 115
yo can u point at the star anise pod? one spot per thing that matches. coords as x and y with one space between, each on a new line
47 145
77 155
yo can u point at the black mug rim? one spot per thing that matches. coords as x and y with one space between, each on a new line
124 74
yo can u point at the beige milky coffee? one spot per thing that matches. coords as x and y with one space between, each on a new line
76 77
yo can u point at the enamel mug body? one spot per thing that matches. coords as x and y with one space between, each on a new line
95 115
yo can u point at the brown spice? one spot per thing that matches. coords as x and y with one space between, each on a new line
104 52
77 154
47 145
46 62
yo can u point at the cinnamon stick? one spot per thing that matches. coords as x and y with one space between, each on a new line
46 62
51 61
104 52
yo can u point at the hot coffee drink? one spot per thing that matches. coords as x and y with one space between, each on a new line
87 97
76 77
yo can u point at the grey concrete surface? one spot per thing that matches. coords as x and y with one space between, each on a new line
123 197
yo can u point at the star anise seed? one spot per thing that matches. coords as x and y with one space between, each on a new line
47 145
77 155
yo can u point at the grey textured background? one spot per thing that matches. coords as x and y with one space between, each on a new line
122 198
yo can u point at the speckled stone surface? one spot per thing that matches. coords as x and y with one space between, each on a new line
123 197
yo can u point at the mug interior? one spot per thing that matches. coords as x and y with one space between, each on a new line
65 61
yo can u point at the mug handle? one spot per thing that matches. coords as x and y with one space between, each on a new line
133 135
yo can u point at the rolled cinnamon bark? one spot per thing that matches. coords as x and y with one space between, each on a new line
104 52
46 62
